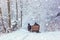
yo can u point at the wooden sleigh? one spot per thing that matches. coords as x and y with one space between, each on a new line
34 28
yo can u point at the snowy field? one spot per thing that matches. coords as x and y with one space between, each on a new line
25 35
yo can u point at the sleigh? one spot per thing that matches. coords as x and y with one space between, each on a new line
34 28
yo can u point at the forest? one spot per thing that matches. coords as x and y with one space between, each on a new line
16 14
29 19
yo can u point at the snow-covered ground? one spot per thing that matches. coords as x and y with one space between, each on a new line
25 35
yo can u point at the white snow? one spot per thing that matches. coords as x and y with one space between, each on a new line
59 7
25 35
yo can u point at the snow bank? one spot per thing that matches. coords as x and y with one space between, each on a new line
44 36
25 35
18 35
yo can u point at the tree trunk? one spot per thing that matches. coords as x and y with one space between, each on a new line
9 15
16 14
16 11
21 11
4 29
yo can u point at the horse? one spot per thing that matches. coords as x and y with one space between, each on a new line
29 27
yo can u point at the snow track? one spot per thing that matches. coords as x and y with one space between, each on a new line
25 35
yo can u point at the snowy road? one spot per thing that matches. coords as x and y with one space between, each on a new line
25 35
